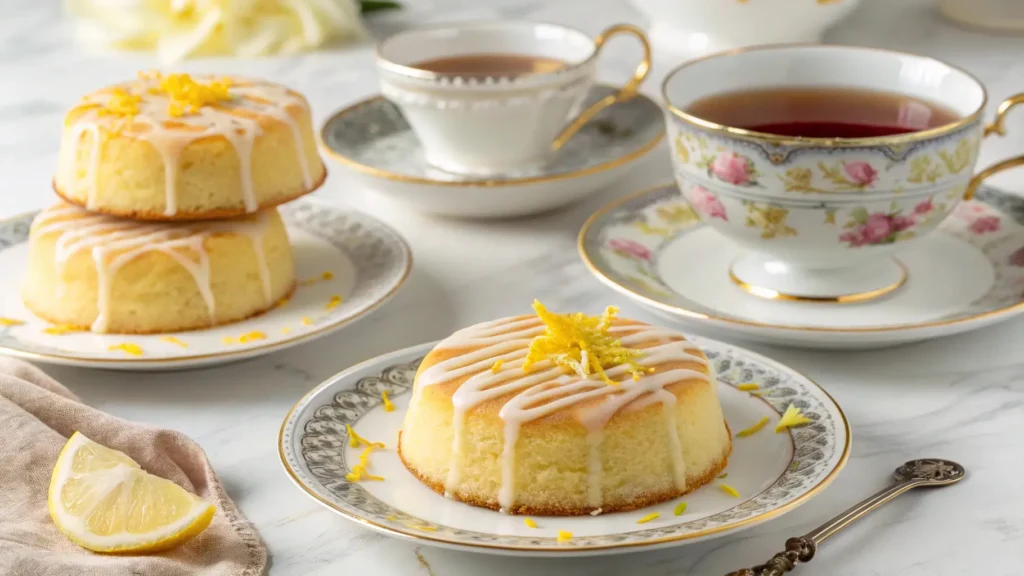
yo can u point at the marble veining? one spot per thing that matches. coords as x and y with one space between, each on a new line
959 398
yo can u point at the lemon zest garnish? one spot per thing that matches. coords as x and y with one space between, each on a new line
187 96
680 508
355 440
794 465
391 518
791 419
229 340
729 490
285 330
753 429
60 329
306 321
564 536
127 348
529 523
648 518
359 472
10 322
335 301
327 275
123 104
581 344
254 335
497 366
747 387
174 340
723 476
424 528
388 406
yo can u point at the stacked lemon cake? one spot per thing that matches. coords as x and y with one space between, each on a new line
569 414
168 220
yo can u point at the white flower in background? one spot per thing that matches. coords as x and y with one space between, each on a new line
176 29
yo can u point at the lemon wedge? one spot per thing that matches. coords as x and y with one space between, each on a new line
105 502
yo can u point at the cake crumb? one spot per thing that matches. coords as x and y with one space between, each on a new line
596 512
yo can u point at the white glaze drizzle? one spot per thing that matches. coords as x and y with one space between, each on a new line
114 242
236 120
546 389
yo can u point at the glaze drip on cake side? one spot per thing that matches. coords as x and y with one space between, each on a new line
113 242
140 110
546 389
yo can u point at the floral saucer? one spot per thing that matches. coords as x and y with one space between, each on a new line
373 139
773 473
653 247
348 264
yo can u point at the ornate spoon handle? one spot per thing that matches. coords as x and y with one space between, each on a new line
927 472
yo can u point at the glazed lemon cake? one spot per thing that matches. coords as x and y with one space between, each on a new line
176 147
108 274
564 415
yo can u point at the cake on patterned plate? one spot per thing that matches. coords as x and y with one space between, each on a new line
176 147
108 274
565 415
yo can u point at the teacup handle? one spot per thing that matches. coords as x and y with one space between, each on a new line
997 126
625 93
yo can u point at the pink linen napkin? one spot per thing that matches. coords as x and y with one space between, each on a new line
37 415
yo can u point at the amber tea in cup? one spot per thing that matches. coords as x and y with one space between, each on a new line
491 65
822 112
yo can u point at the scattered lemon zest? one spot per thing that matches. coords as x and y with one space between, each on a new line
723 476
186 95
564 536
228 340
388 406
791 419
680 508
729 490
794 465
753 429
758 392
127 348
334 303
306 321
582 345
122 103
529 523
497 366
327 275
60 329
355 440
251 336
391 518
359 472
648 518
174 340
10 322
749 386
422 527
285 330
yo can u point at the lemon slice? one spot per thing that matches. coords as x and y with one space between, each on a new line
103 501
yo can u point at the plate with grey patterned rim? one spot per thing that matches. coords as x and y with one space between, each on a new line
347 263
654 248
772 472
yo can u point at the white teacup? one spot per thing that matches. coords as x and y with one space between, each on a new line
495 125
822 216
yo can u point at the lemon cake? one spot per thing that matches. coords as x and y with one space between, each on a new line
108 274
564 415
176 147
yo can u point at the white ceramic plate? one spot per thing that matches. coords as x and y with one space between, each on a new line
375 143
367 259
653 248
774 473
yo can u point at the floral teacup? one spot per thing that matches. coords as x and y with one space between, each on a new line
822 216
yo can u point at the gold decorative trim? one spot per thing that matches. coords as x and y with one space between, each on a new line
244 352
485 183
691 314
776 140
418 536
770 294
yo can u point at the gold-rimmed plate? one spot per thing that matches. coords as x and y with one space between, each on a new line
374 142
772 472
348 264
652 247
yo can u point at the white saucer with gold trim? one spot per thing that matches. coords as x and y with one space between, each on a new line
348 264
771 473
653 247
373 140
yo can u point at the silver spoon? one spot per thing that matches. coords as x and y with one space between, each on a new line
913 474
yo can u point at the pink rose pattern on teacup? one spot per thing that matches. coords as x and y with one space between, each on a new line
860 173
707 203
978 222
629 249
1017 258
733 168
870 229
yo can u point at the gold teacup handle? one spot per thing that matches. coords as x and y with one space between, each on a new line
625 93
998 126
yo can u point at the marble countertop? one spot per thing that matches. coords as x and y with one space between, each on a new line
960 398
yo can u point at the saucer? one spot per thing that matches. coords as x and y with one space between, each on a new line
773 473
366 260
373 139
653 248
